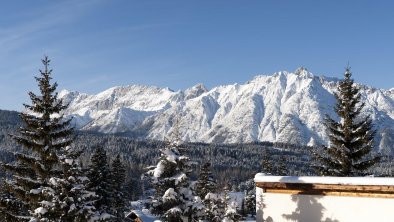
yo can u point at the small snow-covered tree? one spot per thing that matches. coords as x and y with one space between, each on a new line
174 214
118 189
230 214
44 134
100 181
196 209
170 177
214 207
205 183
250 197
250 202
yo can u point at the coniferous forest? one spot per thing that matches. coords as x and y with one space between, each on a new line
52 172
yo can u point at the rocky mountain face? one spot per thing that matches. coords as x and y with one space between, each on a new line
284 107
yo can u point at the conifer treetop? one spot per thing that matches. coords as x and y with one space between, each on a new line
46 131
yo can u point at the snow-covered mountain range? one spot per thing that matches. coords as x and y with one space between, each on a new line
284 107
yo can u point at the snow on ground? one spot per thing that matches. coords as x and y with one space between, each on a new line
236 197
146 216
142 212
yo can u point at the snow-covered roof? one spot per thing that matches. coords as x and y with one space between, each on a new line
382 181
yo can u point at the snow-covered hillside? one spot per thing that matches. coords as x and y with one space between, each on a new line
284 107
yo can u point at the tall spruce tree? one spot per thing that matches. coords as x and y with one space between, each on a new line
118 174
44 134
100 181
351 138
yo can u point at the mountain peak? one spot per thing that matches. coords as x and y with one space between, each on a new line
200 86
195 91
303 72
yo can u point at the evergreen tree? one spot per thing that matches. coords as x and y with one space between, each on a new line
170 177
250 202
231 214
230 207
250 197
100 181
118 185
195 209
67 199
44 134
267 166
214 207
351 138
205 184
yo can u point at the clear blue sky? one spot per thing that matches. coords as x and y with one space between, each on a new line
95 45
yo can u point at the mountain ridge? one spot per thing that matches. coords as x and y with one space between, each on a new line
284 107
